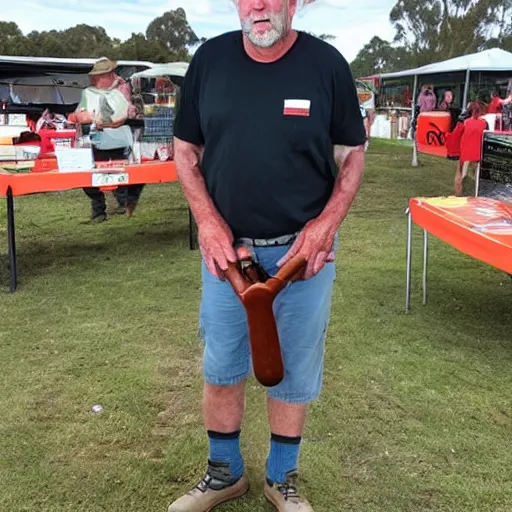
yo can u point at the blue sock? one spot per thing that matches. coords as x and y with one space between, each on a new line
284 456
226 448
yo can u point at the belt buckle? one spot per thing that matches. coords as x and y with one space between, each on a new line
250 267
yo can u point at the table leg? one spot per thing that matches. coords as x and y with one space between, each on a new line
425 263
408 263
192 231
11 240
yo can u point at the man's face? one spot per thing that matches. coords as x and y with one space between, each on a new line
265 22
102 81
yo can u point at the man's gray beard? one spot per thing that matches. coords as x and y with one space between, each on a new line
269 38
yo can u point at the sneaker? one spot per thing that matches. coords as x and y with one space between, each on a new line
285 496
216 487
97 218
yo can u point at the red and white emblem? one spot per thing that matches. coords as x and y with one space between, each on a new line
297 107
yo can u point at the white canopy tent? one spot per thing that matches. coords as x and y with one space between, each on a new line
170 69
491 60
488 60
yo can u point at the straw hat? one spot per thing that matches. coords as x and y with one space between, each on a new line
103 66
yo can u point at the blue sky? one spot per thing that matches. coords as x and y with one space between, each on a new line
353 22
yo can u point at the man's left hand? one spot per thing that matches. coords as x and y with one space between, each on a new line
315 243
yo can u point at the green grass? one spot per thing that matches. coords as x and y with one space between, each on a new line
415 413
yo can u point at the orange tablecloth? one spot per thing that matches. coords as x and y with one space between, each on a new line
477 226
54 181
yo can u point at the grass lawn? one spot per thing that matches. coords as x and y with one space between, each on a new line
416 409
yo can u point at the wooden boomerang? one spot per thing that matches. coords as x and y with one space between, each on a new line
258 299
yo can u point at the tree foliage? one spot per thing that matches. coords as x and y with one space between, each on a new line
377 56
172 31
168 38
433 30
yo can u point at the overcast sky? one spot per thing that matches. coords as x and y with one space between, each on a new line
353 22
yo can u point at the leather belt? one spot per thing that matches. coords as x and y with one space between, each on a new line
268 242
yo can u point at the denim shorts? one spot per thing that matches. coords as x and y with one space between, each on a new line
302 311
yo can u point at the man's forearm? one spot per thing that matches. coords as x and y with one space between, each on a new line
187 158
350 162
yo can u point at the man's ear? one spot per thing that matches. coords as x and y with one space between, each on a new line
291 7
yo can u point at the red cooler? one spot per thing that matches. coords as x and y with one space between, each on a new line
431 128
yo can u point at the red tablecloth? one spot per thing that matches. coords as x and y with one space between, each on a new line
54 181
477 226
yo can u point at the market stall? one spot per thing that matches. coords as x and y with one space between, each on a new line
477 226
466 78
52 150
157 90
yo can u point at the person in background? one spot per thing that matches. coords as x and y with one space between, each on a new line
506 113
447 101
427 99
104 78
495 108
470 145
496 104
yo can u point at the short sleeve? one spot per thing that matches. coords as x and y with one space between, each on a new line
83 101
347 126
187 125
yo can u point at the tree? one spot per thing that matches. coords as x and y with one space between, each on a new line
172 31
13 41
168 38
84 40
502 38
45 44
378 56
137 47
433 30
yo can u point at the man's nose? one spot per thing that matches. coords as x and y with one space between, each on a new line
258 5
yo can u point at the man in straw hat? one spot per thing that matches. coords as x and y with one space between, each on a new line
269 148
107 103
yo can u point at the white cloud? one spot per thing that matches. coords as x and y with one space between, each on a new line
353 22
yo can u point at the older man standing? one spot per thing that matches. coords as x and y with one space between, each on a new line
269 151
110 90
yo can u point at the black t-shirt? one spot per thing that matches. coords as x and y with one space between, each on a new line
268 130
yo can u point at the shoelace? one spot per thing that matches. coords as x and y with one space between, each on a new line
289 491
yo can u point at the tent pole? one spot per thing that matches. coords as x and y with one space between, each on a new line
414 162
466 90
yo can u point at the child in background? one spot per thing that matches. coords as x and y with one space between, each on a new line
470 144
452 139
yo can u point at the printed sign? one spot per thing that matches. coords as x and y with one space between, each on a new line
495 176
109 179
74 159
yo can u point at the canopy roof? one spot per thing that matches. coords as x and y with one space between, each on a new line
30 66
494 59
163 70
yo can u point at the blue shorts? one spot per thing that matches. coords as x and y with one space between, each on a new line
302 312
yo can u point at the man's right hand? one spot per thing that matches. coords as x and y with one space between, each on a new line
216 245
84 117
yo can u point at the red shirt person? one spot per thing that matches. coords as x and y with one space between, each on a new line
471 140
495 104
470 144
